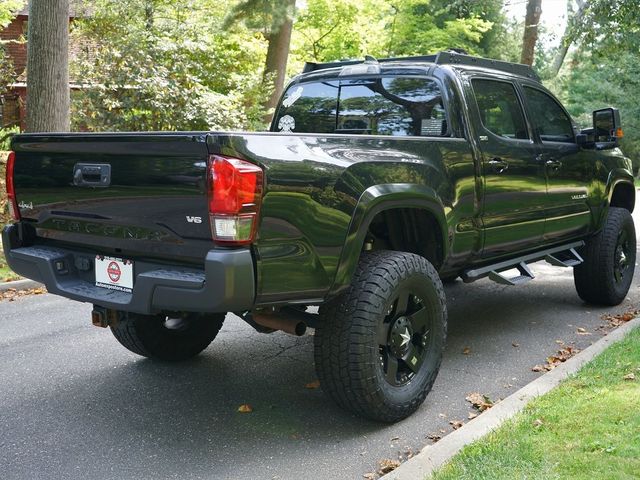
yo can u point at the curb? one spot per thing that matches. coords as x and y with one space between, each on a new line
431 457
20 285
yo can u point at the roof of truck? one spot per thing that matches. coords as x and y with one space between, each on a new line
416 65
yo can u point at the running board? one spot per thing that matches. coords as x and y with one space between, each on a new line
563 256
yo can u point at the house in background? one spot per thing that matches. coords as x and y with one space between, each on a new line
14 37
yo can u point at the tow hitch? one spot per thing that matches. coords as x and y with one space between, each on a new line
102 317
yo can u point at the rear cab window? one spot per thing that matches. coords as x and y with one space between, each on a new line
393 106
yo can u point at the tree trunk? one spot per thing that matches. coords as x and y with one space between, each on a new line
48 96
277 56
534 9
567 39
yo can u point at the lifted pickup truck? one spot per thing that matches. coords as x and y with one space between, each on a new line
378 180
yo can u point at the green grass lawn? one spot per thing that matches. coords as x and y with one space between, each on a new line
6 274
588 428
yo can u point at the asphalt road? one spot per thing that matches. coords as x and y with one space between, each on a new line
74 404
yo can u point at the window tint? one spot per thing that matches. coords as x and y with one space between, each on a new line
392 106
548 117
500 110
379 106
308 108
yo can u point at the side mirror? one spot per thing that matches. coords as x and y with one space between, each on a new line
606 125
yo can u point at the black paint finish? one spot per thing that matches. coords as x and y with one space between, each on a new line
321 192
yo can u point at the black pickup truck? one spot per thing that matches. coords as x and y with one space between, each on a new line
378 181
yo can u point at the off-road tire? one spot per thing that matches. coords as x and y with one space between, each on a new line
149 336
348 352
598 279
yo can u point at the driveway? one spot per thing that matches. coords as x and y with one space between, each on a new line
74 404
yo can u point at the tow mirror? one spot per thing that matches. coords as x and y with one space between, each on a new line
606 125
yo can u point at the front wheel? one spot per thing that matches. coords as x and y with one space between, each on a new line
169 338
605 275
379 346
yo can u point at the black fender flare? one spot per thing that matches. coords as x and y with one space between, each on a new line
374 200
617 177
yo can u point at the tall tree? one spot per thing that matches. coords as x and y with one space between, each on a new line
530 36
275 19
48 66
568 37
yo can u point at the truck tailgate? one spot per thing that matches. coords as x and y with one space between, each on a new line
131 194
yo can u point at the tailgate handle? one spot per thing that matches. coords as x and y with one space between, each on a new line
92 174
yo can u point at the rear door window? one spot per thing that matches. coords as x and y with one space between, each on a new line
399 106
500 109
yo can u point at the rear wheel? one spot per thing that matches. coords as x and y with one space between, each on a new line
605 275
379 346
170 338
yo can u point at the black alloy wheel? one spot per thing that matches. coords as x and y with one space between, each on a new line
605 276
379 345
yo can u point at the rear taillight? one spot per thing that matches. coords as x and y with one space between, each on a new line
235 195
11 191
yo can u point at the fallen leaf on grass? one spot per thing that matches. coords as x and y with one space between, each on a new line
245 408
387 466
629 376
466 350
479 401
537 423
456 424
312 385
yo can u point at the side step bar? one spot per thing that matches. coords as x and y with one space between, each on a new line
563 256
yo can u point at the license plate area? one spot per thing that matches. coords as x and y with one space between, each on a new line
114 273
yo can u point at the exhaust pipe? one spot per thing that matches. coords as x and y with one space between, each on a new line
280 321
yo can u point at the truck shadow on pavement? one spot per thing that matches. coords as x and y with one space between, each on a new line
182 421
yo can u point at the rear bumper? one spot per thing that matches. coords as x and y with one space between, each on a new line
226 284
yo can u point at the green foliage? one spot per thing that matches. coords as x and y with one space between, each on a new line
598 81
616 24
5 138
8 10
264 15
164 65
325 31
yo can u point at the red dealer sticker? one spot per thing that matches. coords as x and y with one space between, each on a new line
114 273
113 270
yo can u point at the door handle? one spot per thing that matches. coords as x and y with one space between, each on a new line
498 165
553 164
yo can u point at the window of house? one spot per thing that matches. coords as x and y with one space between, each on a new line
548 117
500 109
